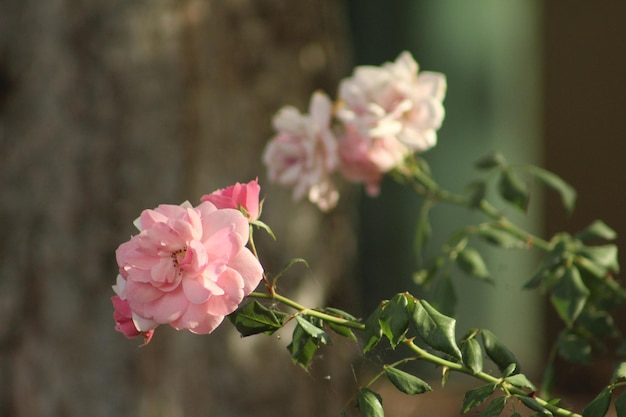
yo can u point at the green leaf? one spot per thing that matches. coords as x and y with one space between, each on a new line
513 190
313 331
520 381
516 414
302 347
497 352
405 382
620 405
551 180
494 408
436 329
472 263
443 295
597 230
573 348
373 331
619 373
600 405
339 313
258 223
477 396
370 404
534 405
472 355
597 322
343 413
604 255
395 318
491 161
253 318
569 295
341 330
547 382
501 238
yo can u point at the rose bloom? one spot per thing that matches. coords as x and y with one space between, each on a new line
124 324
395 101
239 195
364 159
188 267
303 154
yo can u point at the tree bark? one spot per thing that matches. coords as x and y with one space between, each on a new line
110 107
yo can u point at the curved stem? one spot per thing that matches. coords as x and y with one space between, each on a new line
434 359
308 311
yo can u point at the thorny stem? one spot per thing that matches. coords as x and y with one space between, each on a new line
427 187
436 360
420 354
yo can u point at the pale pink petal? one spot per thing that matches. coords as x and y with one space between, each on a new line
250 269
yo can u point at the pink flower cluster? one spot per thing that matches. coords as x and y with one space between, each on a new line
382 115
188 266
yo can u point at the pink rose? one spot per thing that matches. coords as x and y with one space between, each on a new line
303 154
395 102
239 195
124 320
364 159
188 267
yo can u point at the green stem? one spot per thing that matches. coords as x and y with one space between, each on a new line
436 360
308 311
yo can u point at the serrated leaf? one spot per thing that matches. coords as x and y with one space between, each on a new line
395 318
620 405
253 318
370 404
405 382
569 295
494 408
472 355
513 190
553 181
603 255
477 396
497 352
491 161
436 329
597 230
313 331
471 262
573 348
302 347
520 381
339 313
373 331
600 405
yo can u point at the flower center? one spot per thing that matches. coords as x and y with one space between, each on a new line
179 260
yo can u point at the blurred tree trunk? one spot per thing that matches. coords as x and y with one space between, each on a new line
108 107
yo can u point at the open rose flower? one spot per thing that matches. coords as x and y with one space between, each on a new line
365 159
394 101
303 154
188 267
237 196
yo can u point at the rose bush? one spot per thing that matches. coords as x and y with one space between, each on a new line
188 267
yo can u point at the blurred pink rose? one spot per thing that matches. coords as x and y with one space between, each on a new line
238 195
364 159
124 320
394 101
188 267
303 154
